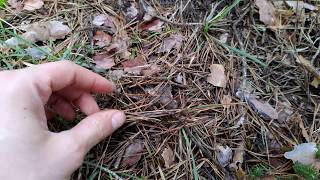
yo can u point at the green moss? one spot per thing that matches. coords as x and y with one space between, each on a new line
306 171
257 171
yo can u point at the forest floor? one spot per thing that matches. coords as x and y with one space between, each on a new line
211 89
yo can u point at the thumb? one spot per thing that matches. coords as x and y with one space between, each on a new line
94 128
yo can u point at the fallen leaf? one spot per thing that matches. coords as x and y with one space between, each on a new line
315 83
307 64
150 13
267 12
302 127
129 9
40 31
120 45
226 101
38 53
299 5
31 5
103 60
303 153
166 97
106 21
154 25
224 155
263 108
238 158
284 111
217 76
132 153
172 42
134 66
16 5
168 157
151 70
179 79
102 39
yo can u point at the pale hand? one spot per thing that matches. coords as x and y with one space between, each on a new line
28 150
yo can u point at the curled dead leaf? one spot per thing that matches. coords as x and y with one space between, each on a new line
154 25
226 101
132 153
168 157
267 12
103 60
31 5
102 39
172 42
217 76
134 66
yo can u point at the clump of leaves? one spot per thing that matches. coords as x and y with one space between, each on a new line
3 3
306 171
318 152
257 171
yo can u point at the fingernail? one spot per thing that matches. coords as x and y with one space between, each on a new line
118 119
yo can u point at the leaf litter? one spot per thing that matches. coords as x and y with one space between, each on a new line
132 153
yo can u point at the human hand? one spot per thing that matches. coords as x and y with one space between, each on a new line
28 150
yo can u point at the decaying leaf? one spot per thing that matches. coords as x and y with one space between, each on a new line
134 66
154 25
224 155
103 60
303 153
267 12
172 42
307 64
31 5
38 53
299 5
115 75
132 153
41 31
302 127
151 70
129 8
120 45
15 4
226 100
284 110
102 39
166 97
168 157
217 76
237 158
106 21
263 108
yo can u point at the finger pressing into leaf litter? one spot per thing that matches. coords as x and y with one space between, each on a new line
58 75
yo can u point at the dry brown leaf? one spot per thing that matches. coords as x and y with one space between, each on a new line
307 64
120 45
41 31
302 127
267 12
226 101
132 153
172 42
150 71
168 157
315 83
217 76
299 5
31 5
134 66
166 97
16 5
237 158
102 39
106 21
263 108
154 25
103 60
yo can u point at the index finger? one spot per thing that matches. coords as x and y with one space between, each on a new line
55 76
